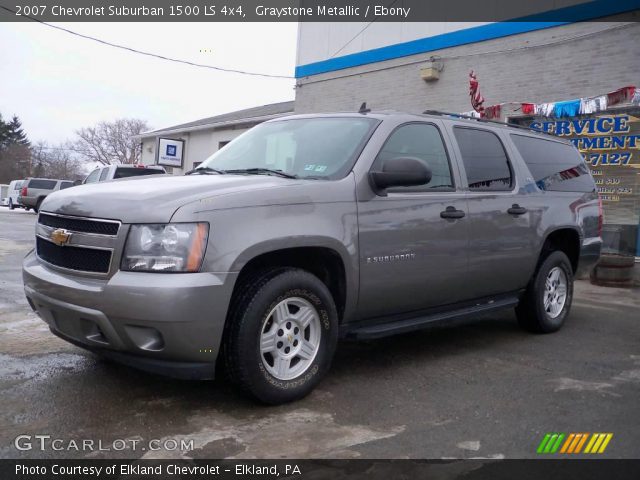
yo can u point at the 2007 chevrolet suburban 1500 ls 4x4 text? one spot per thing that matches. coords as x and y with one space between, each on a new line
312 227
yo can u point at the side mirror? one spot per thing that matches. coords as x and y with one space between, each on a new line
401 172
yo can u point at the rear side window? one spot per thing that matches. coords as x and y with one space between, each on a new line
64 185
485 160
103 174
43 184
17 186
554 166
421 141
136 172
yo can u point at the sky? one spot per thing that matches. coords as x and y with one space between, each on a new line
57 83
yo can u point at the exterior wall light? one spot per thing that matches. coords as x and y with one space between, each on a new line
430 71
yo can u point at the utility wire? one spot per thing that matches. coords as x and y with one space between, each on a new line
148 54
361 31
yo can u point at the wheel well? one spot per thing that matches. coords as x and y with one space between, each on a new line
323 262
565 240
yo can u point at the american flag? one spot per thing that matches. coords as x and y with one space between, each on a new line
474 91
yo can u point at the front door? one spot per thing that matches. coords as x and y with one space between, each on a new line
413 241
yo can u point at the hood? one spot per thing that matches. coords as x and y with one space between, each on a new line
154 198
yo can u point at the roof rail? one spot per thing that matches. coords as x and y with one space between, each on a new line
484 120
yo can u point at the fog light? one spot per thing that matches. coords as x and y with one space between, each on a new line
145 338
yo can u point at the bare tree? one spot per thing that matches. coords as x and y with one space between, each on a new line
111 142
14 162
56 161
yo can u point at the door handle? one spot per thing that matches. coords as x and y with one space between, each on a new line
516 210
451 212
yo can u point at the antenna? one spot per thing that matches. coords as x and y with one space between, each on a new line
363 108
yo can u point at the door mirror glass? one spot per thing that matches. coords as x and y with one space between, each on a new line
401 172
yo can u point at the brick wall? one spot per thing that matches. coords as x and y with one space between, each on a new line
590 59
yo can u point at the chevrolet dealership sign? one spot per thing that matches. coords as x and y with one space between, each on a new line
170 152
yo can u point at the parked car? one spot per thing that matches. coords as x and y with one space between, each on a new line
35 190
13 194
113 172
310 228
4 195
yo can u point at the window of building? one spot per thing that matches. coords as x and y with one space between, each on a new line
484 159
421 141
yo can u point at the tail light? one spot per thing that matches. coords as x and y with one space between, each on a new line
600 216
23 192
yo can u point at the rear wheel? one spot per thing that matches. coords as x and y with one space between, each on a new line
282 335
37 207
547 301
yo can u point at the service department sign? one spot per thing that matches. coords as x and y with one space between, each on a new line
170 152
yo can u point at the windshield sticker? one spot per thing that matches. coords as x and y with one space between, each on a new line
309 167
321 168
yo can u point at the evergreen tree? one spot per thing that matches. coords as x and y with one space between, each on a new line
4 133
16 134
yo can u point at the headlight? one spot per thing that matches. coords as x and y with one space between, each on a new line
174 247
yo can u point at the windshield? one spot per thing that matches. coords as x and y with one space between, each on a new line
312 147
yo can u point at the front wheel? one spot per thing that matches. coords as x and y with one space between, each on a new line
547 301
282 335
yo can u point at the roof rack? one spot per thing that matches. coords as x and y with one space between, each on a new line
484 120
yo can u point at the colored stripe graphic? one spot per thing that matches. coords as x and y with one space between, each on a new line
550 443
598 442
573 443
543 443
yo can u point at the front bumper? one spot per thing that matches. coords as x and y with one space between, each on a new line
165 323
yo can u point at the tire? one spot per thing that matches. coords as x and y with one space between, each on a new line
37 207
11 206
534 313
281 335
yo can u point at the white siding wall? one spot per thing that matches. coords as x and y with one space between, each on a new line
198 146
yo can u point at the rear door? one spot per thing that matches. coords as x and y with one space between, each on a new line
501 230
411 258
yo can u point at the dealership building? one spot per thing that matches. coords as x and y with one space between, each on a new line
426 66
180 148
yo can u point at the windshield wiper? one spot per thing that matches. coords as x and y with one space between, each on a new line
258 171
205 171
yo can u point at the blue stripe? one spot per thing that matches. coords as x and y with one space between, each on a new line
576 13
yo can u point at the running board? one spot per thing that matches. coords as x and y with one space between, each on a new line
395 327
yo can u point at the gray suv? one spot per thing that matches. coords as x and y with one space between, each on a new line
35 190
310 228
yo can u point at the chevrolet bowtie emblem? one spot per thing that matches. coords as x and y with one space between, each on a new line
60 236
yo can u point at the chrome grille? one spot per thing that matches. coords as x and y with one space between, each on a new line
84 225
76 243
74 258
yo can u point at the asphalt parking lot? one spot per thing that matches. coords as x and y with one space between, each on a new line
484 389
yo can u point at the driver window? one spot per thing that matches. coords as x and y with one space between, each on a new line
421 141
